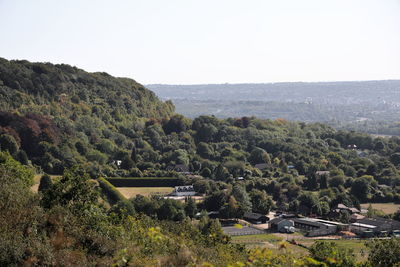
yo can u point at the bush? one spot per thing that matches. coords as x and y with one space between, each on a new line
110 191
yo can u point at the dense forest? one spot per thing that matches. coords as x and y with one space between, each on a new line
58 119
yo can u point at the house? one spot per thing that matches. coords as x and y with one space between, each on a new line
352 146
186 190
341 208
255 218
281 225
117 162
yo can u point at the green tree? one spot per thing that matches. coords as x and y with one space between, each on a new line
176 123
205 172
45 183
332 255
20 217
215 201
8 143
337 181
15 169
190 207
384 252
242 197
205 150
259 155
221 173
261 202
74 191
206 132
361 188
230 209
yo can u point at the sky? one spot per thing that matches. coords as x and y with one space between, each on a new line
209 41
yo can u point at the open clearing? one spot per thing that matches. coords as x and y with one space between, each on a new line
130 192
276 243
387 208
358 246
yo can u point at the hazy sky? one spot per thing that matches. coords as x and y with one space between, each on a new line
209 41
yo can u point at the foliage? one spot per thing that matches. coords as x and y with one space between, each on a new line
331 254
384 252
60 119
113 195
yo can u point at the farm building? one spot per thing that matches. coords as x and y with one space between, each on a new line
281 224
341 208
255 218
361 229
312 227
378 226
317 227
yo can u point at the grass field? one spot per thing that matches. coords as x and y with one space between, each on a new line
270 241
387 208
129 192
249 239
274 241
357 245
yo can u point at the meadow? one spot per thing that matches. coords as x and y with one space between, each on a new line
130 192
387 208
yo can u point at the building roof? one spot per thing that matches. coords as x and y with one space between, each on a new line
381 223
364 225
326 222
354 210
357 216
184 188
342 206
276 220
253 216
307 221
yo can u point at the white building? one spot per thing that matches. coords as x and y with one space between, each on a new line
186 190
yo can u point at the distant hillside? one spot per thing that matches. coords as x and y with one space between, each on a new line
59 115
359 105
339 93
